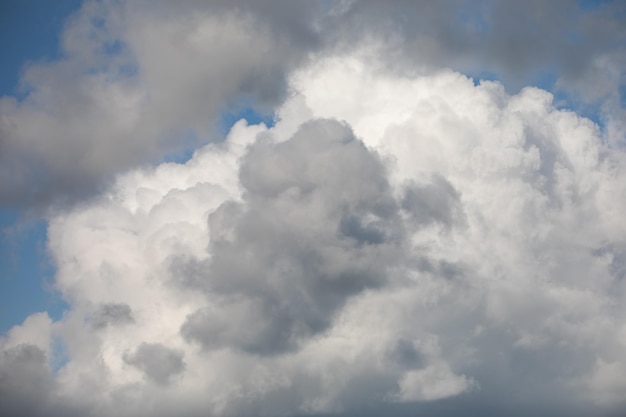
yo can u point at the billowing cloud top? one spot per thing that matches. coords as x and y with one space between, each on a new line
144 78
403 240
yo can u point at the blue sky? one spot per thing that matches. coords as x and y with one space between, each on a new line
26 271
30 32
387 233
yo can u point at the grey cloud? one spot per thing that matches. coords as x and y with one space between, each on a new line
354 227
436 202
125 93
112 314
405 354
25 381
297 249
158 362
474 406
516 39
319 224
256 326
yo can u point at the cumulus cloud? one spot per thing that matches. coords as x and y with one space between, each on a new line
141 80
392 245
403 240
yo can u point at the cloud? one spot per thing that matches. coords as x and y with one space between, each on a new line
319 224
516 40
398 244
112 314
403 240
158 362
24 377
140 80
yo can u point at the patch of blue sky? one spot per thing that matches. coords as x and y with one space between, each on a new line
124 68
547 79
566 101
190 141
30 32
58 357
622 95
187 143
26 271
114 47
590 5
471 16
482 75
251 115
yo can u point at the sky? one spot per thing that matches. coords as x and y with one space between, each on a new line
300 208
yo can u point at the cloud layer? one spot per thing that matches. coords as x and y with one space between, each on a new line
392 244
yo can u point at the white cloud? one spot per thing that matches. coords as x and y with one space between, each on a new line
429 239
35 331
431 383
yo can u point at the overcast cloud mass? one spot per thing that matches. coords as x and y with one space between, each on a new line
406 239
